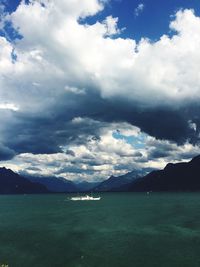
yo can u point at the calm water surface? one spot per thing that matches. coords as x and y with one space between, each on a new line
121 230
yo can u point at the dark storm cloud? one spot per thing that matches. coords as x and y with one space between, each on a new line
75 170
141 160
70 152
170 151
6 153
90 161
187 155
159 149
174 154
35 169
137 154
49 131
160 122
158 153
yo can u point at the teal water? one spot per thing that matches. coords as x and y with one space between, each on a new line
121 230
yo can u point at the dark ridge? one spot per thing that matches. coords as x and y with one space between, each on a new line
55 184
13 183
120 183
174 177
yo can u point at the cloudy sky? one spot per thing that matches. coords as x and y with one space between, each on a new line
94 88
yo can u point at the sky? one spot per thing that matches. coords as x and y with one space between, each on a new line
94 88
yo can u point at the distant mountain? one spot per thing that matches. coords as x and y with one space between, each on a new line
12 183
55 184
119 183
183 176
86 186
174 177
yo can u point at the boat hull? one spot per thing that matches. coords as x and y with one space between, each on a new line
85 198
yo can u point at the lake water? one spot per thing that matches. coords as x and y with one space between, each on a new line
121 230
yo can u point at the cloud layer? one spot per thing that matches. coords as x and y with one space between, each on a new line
64 81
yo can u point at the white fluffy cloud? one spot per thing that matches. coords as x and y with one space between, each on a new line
58 51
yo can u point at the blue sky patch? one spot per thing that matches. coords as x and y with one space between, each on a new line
137 142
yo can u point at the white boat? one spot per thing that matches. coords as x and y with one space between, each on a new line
85 198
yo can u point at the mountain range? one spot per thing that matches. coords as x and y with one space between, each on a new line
62 185
54 184
184 176
120 182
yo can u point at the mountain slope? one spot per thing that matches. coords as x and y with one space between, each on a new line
174 177
55 184
118 183
12 183
85 186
